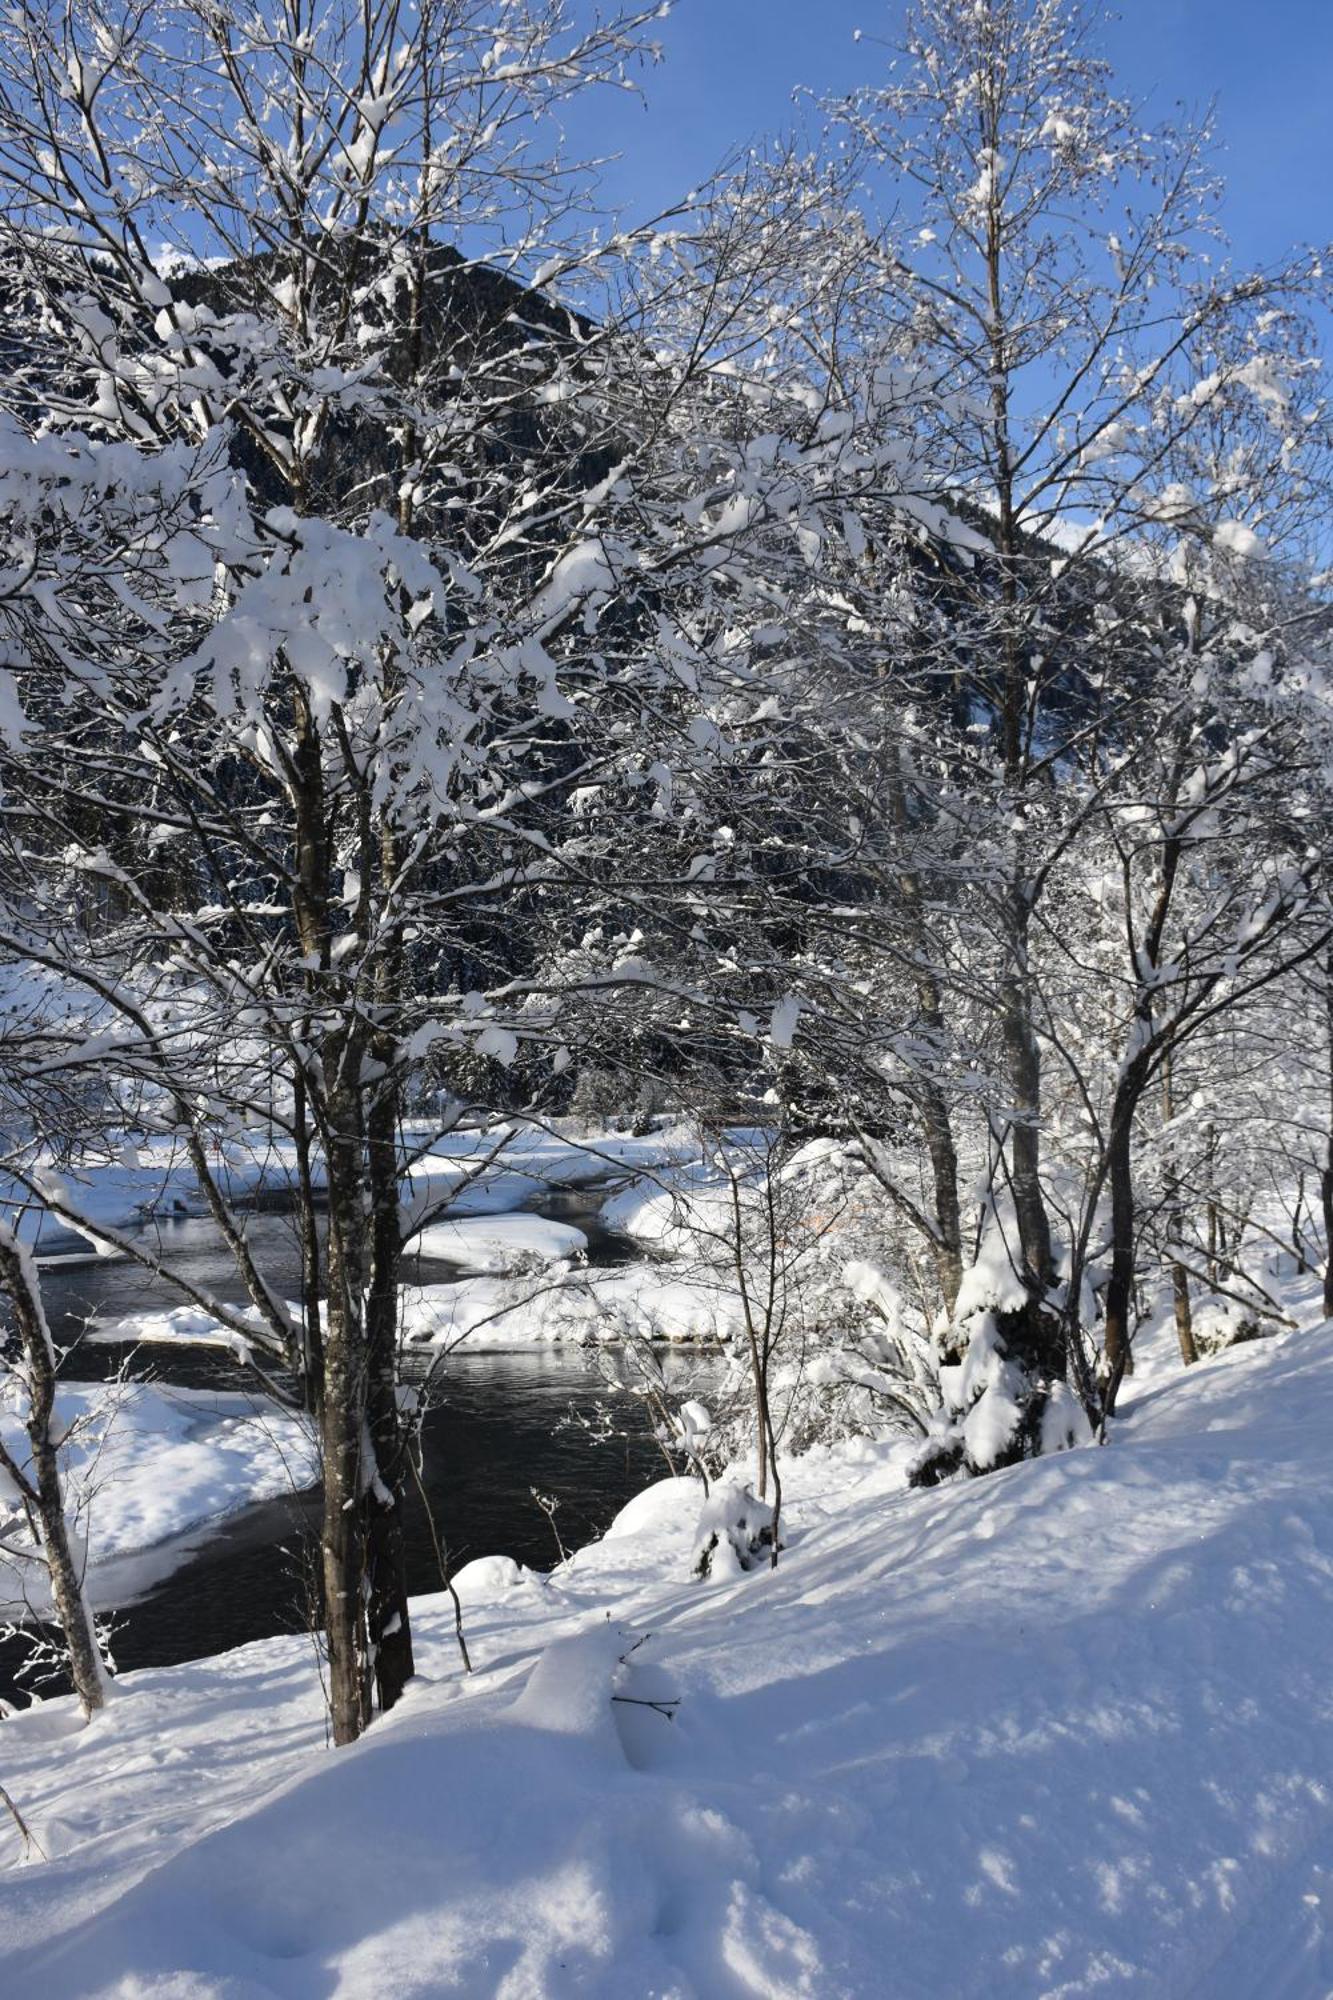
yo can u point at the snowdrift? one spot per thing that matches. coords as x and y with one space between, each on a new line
1065 1730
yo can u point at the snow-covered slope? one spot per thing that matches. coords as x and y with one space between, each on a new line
1065 1730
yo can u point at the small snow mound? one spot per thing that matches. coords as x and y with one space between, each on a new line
501 1244
570 1688
669 1503
488 1576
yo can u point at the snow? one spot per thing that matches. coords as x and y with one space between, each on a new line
485 1577
692 1207
527 1162
651 1302
501 1243
1237 539
734 1533
531 1292
145 1464
683 1209
1059 1731
186 1326
133 1178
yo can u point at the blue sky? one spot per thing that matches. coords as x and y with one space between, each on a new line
731 66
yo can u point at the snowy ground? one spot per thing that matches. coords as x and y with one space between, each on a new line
1065 1730
144 1464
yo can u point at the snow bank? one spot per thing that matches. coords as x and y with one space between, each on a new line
1061 1731
175 1326
526 1163
688 1209
522 1304
138 1181
648 1301
145 1463
134 1179
500 1243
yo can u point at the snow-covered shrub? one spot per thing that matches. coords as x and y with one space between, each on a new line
1221 1323
993 1411
735 1533
828 1309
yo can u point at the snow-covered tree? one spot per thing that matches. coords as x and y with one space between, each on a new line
1061 270
247 242
381 627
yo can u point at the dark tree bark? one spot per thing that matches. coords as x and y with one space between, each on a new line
1181 1304
343 1435
1035 1336
354 1104
389 1628
1120 1284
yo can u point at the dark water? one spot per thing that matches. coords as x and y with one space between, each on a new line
500 1424
506 1423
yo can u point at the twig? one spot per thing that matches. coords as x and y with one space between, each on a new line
667 1707
445 1577
26 1833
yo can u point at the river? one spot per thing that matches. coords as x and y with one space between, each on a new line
500 1425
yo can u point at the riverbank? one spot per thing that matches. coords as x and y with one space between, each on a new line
145 1464
200 1534
132 1179
1060 1731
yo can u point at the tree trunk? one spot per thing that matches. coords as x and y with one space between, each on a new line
1024 1065
67 1592
390 1633
308 1360
948 1245
1034 1337
1184 1313
343 1426
1175 1229
42 1489
932 1106
1120 1288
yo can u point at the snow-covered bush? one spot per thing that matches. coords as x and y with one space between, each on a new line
826 1305
993 1411
736 1532
1220 1323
